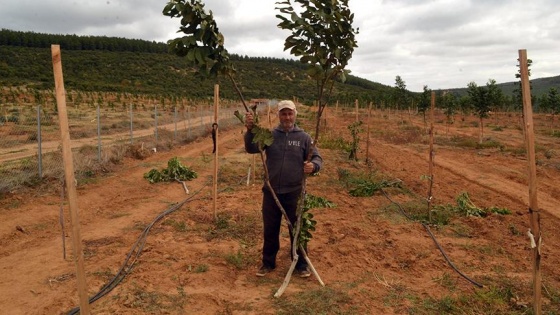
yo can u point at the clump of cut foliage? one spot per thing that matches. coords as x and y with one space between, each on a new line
175 171
465 207
367 187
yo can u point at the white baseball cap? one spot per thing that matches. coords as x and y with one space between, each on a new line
286 104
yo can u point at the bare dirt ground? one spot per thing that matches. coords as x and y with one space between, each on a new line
371 258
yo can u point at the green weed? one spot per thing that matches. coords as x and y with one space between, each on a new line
200 268
243 228
178 226
325 300
238 260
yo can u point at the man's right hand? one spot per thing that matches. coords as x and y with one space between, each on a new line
249 120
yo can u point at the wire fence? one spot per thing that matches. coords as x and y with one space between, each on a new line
30 148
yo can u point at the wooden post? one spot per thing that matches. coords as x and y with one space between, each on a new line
336 109
69 177
535 232
431 157
254 168
268 115
325 118
367 136
356 104
216 162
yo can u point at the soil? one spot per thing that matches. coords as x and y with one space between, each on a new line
372 259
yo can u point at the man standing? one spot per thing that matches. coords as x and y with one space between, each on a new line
286 160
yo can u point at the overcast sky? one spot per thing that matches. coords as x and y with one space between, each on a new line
438 43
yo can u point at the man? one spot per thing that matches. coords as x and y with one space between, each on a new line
286 160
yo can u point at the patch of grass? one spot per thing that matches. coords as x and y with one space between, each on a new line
154 302
235 308
445 305
461 230
500 297
206 158
180 226
489 250
40 226
238 260
472 143
243 228
200 268
398 296
14 204
418 211
518 151
514 230
405 135
105 274
325 300
139 226
553 295
334 142
446 281
489 144
555 133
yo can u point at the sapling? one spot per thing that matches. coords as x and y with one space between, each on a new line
203 45
355 130
323 38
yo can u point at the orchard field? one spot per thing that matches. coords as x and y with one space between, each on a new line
372 251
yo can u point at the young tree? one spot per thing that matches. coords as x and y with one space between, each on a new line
495 97
203 43
551 103
517 92
424 102
449 105
480 101
401 96
464 105
323 38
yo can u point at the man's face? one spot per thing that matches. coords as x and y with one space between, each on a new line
287 118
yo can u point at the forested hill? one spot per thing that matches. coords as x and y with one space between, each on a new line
93 63
539 87
75 42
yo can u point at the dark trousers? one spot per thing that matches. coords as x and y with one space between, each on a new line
272 219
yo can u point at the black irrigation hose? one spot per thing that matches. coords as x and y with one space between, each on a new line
134 253
435 241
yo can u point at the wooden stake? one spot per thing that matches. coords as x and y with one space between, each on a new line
269 118
254 168
216 166
431 157
69 178
356 104
367 136
535 232
336 109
